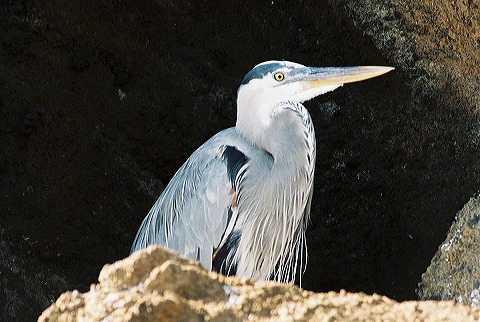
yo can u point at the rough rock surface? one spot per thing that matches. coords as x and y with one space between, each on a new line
155 284
101 103
437 40
454 273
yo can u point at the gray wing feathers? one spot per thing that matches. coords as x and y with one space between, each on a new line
191 214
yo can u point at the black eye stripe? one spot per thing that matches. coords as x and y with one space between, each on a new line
261 71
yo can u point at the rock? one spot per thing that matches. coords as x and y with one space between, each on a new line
454 273
24 285
426 38
31 117
119 275
80 61
157 284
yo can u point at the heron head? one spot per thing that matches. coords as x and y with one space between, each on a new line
273 82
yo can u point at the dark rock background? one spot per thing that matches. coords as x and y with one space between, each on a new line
101 102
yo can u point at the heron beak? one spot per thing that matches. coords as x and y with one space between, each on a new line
325 76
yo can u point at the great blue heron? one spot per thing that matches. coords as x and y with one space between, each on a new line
241 202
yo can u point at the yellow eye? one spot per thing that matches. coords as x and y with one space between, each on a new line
279 76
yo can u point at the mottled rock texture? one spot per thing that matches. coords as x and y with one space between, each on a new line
156 284
454 273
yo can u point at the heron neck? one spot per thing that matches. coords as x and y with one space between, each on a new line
282 194
290 138
285 131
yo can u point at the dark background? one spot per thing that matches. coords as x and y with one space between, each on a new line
81 164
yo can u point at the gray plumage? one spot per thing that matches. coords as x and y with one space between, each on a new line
240 203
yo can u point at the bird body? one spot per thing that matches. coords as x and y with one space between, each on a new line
241 202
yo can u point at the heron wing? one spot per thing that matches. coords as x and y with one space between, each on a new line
196 212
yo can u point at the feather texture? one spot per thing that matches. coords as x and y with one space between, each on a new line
236 206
